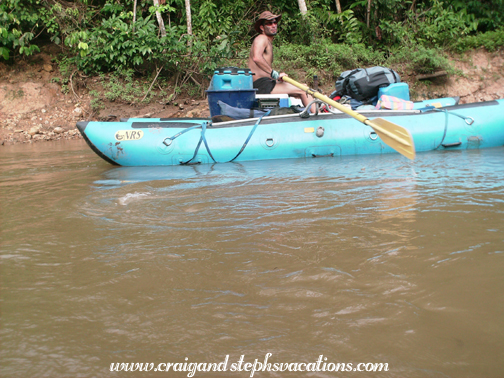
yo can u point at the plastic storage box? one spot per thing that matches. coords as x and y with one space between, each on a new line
231 78
399 90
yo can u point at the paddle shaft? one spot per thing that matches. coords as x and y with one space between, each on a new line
326 99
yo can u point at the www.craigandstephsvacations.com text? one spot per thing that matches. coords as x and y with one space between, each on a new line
191 368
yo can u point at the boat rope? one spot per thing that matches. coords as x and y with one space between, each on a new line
468 120
168 141
306 112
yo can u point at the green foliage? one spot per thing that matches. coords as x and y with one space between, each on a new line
96 102
437 25
66 68
221 26
204 22
121 86
349 26
327 57
420 59
192 90
307 29
489 13
17 23
119 44
113 45
102 36
491 41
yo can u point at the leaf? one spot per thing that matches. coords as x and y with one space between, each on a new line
4 51
223 45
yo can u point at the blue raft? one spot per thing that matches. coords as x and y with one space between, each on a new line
157 142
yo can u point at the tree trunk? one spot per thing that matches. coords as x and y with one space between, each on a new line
302 7
338 6
368 12
188 15
134 14
160 20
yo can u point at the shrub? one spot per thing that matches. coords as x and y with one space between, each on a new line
421 59
491 41
327 57
17 23
432 26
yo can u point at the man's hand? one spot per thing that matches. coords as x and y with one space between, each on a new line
282 74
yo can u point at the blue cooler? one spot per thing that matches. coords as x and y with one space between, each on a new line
233 86
399 90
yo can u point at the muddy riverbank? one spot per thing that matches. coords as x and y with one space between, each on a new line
34 107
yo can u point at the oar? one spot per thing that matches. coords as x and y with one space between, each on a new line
394 135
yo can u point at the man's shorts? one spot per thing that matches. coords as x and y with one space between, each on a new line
264 85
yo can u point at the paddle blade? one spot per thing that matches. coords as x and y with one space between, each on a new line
394 136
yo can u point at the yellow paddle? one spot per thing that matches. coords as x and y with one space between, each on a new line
394 135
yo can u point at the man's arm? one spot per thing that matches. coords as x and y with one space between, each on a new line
258 48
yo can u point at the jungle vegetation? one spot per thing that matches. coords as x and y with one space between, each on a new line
190 38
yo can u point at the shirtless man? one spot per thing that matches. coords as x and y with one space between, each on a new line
267 80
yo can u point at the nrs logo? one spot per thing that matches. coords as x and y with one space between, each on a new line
129 135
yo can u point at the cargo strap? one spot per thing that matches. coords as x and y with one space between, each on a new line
468 120
203 139
250 135
168 141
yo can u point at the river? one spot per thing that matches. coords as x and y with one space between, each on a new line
356 259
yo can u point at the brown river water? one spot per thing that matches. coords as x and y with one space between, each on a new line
355 259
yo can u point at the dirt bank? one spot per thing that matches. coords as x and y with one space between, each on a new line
34 108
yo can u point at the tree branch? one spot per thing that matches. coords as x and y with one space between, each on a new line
146 93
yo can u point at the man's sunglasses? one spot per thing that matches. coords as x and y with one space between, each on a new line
269 23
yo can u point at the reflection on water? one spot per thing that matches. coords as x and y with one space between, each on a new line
358 259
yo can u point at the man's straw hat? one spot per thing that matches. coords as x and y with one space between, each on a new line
267 15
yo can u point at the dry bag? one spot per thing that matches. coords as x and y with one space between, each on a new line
363 83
